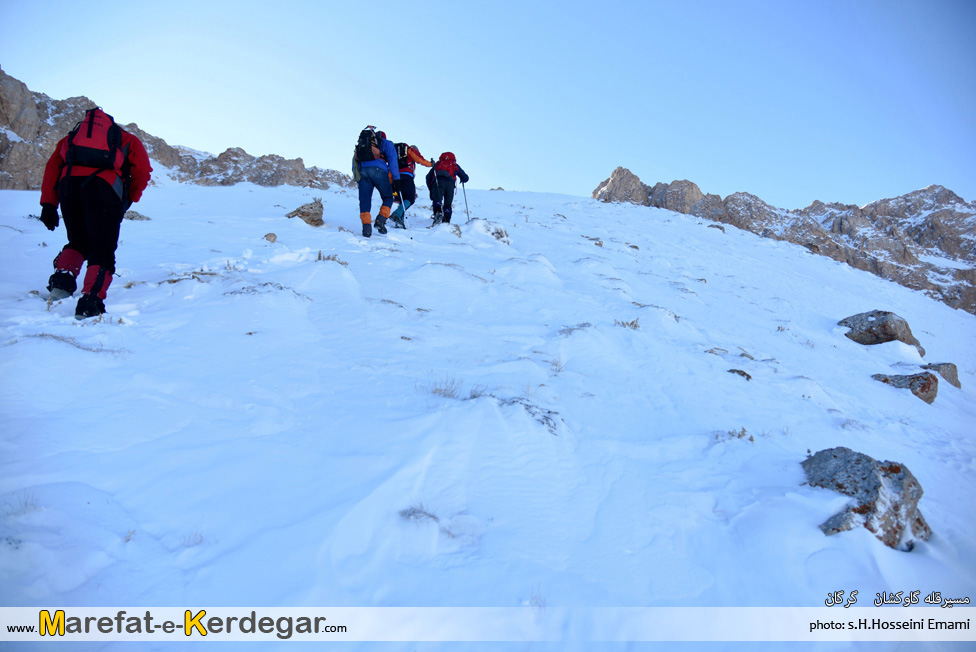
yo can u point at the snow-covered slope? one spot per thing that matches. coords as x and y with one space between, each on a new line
530 407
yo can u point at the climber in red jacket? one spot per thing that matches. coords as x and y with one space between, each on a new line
95 173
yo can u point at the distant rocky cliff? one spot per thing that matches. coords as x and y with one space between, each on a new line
32 123
925 240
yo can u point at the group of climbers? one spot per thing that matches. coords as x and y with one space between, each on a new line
98 170
388 167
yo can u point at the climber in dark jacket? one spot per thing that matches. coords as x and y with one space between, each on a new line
441 182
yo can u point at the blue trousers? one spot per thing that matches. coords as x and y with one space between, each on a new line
374 177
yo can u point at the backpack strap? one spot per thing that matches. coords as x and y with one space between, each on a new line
90 115
71 136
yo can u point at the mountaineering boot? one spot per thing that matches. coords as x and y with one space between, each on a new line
367 221
398 215
61 284
367 230
89 305
381 219
438 218
67 266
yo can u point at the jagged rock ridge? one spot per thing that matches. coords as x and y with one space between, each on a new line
32 123
925 240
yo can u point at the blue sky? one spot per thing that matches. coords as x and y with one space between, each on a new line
791 101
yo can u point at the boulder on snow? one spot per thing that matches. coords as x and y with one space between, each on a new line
947 370
924 385
879 326
886 496
310 213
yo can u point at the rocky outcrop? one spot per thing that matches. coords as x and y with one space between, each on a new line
878 327
679 196
310 213
31 124
925 240
947 225
623 186
885 494
947 370
924 385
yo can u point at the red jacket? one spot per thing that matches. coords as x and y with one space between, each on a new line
414 156
137 158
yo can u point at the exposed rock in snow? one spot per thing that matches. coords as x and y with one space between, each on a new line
878 327
310 213
136 216
947 370
924 385
886 496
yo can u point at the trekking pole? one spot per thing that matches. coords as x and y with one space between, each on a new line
403 216
465 201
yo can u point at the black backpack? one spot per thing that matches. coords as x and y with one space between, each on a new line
403 160
365 146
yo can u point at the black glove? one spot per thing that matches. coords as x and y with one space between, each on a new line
396 186
49 216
